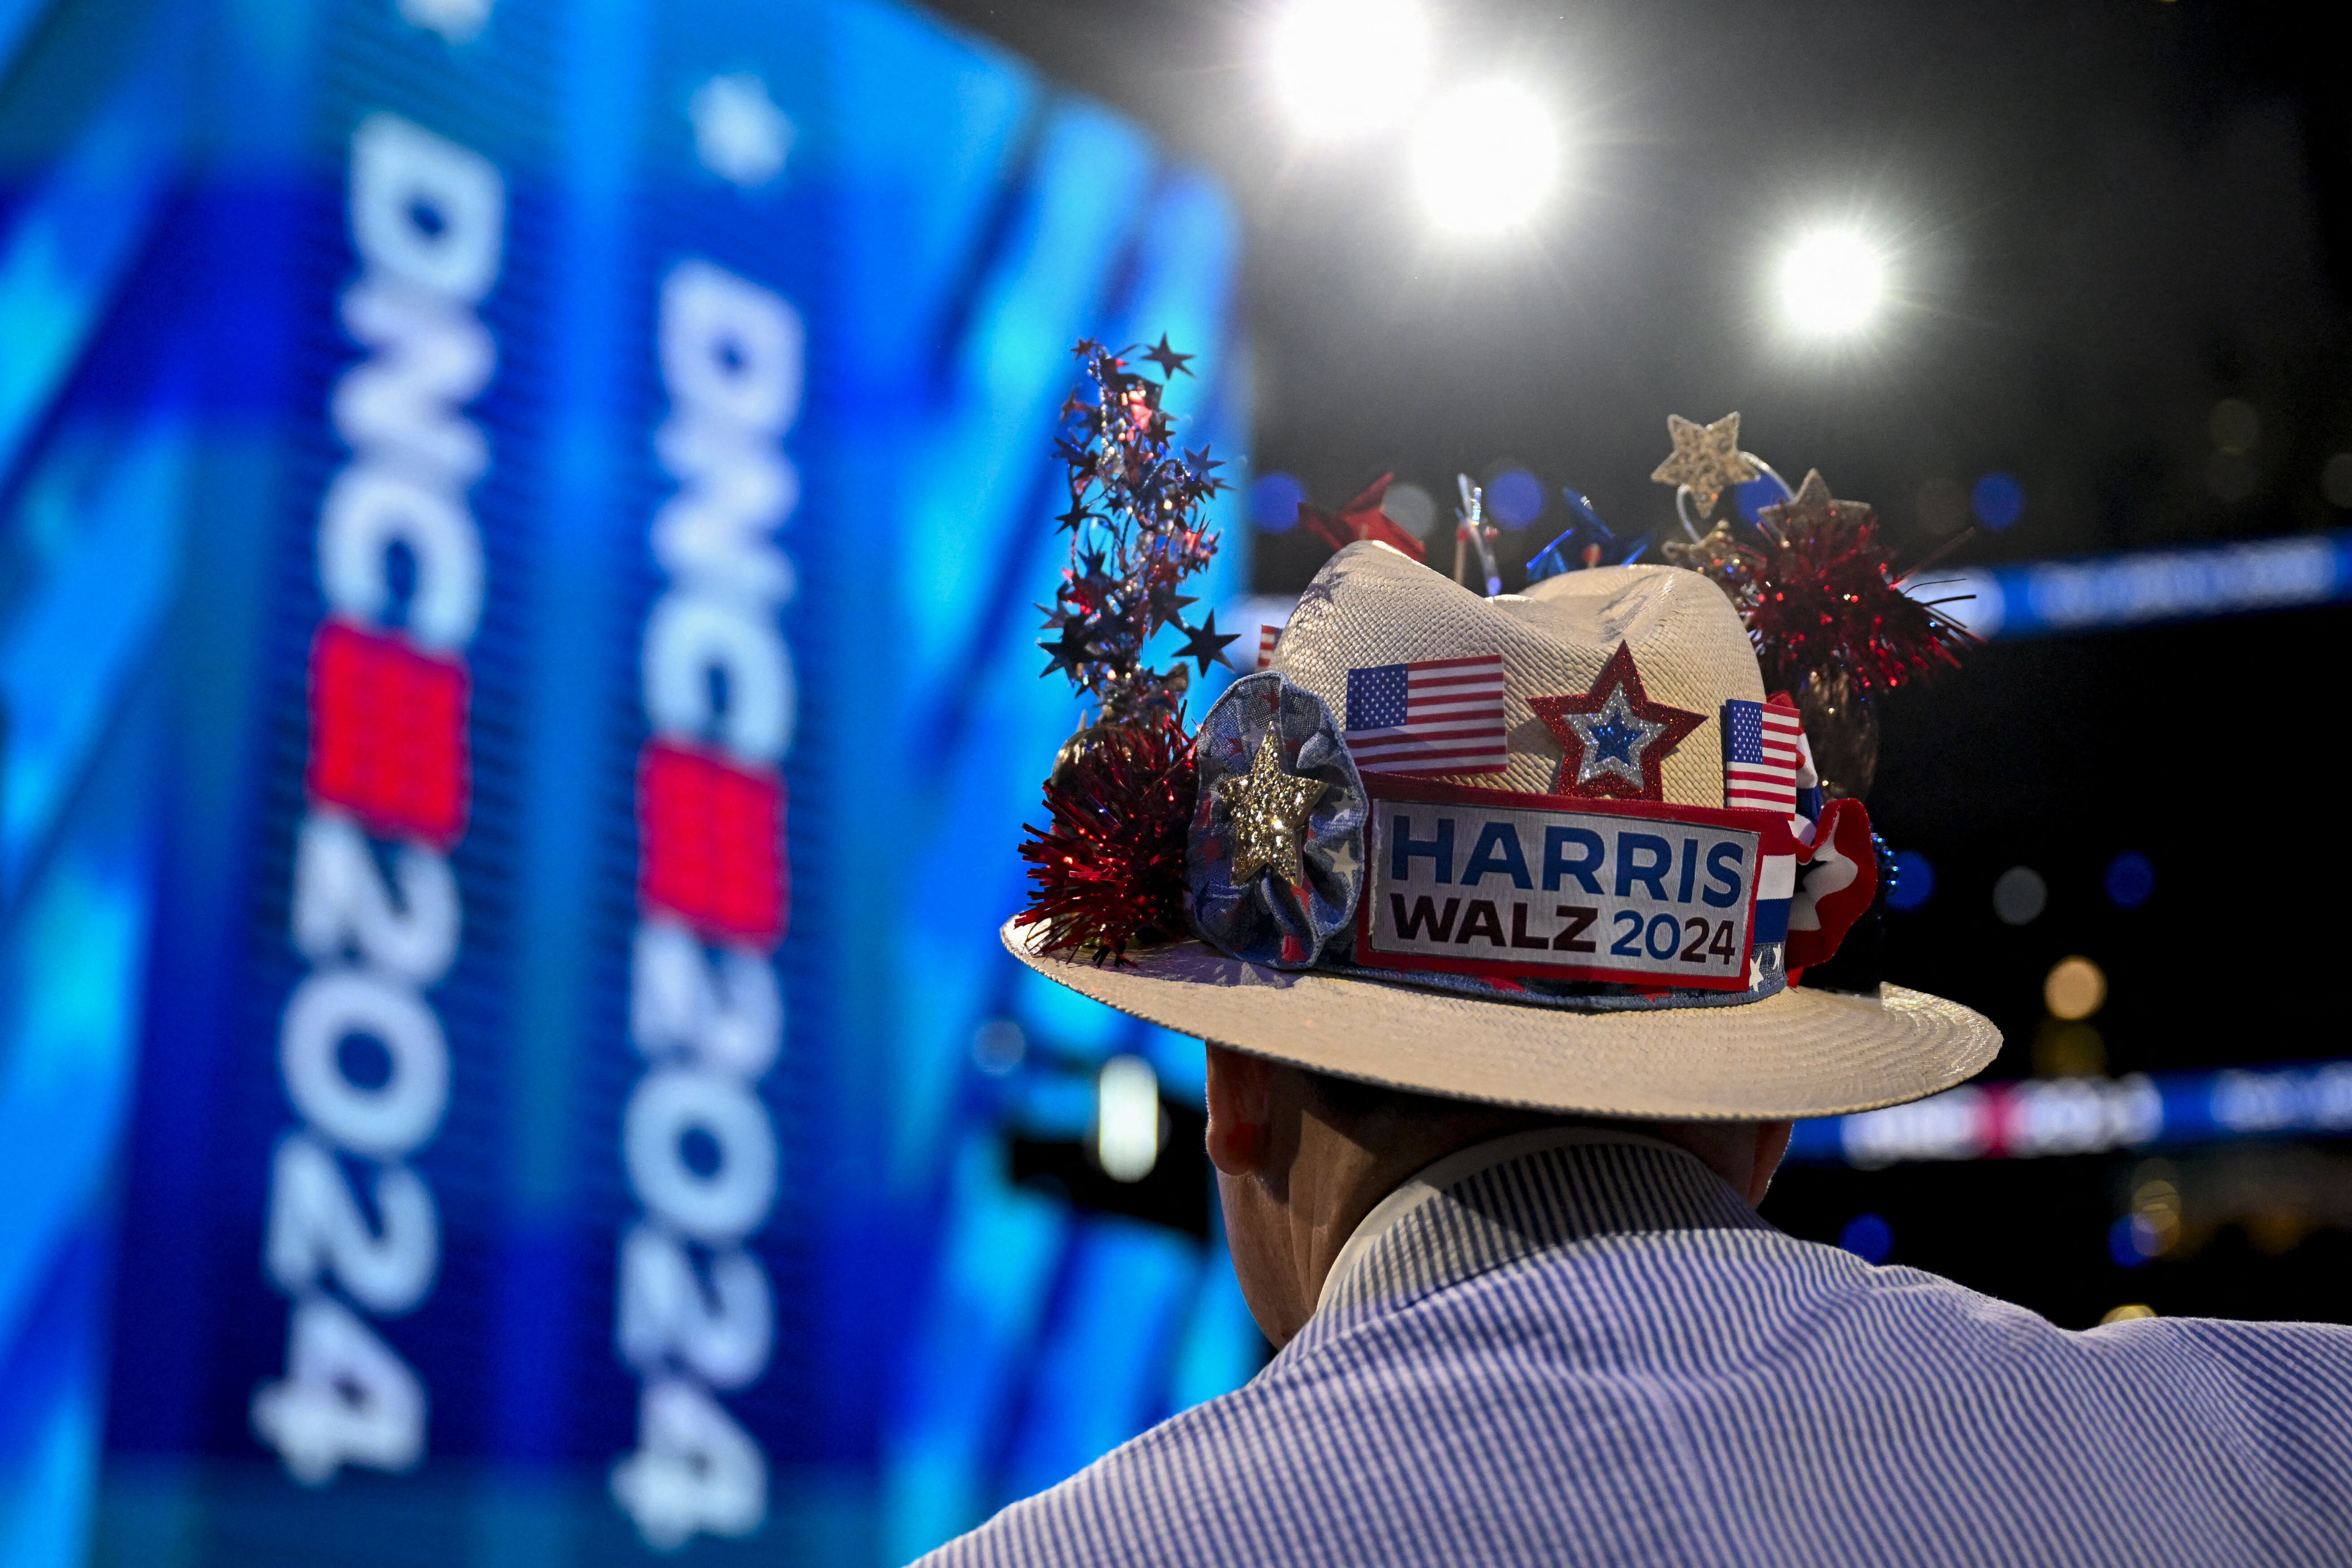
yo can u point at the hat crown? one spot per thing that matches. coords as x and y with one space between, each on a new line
1371 607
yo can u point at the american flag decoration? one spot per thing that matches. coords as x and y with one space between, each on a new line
1767 766
1438 716
1267 637
1760 756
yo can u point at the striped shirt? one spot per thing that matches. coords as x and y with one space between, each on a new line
1593 1351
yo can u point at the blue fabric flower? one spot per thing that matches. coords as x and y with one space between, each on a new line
1263 917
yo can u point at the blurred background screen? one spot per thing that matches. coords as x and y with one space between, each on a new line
520 531
473 477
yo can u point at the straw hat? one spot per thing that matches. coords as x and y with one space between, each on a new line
1481 848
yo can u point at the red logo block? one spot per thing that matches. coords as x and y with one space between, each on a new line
710 843
388 733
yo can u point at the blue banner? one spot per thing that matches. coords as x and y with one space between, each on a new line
518 526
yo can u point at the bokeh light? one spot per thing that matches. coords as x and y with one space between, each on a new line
1485 159
2131 879
2075 989
1752 496
1869 1237
1274 502
2127 1312
1914 880
2155 1217
1998 500
2335 481
2230 477
2068 1050
998 1047
2019 895
1127 1119
1343 67
2234 427
1515 497
1830 282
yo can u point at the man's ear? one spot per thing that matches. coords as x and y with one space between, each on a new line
1241 1111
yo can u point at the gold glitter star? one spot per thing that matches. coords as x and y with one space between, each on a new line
1269 809
1706 458
1716 554
1810 510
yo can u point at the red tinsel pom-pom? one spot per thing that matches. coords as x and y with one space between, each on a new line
1820 601
1108 873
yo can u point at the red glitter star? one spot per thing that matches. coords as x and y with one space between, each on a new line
1614 738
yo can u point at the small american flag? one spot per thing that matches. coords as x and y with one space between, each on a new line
1440 716
1267 637
1760 742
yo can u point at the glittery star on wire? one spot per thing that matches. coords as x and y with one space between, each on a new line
1810 510
1269 809
1203 643
1717 557
1613 739
1706 458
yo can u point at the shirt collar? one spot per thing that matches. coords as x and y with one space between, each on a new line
1430 1183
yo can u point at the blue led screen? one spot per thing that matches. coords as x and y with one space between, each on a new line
518 530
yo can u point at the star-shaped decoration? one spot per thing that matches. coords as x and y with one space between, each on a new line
1614 738
1074 518
1269 809
1205 644
1706 458
1810 510
1168 605
1718 557
1169 361
1069 650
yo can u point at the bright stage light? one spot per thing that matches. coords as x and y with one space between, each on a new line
1832 282
1344 67
1485 158
1127 1119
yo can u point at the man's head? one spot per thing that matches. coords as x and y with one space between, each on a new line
1302 1157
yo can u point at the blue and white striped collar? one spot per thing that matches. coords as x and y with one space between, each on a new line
1482 1206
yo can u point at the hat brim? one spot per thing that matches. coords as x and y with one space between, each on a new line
1797 1053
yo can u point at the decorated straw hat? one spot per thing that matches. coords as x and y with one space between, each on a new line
1558 849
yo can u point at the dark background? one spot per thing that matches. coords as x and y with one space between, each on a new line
2106 218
